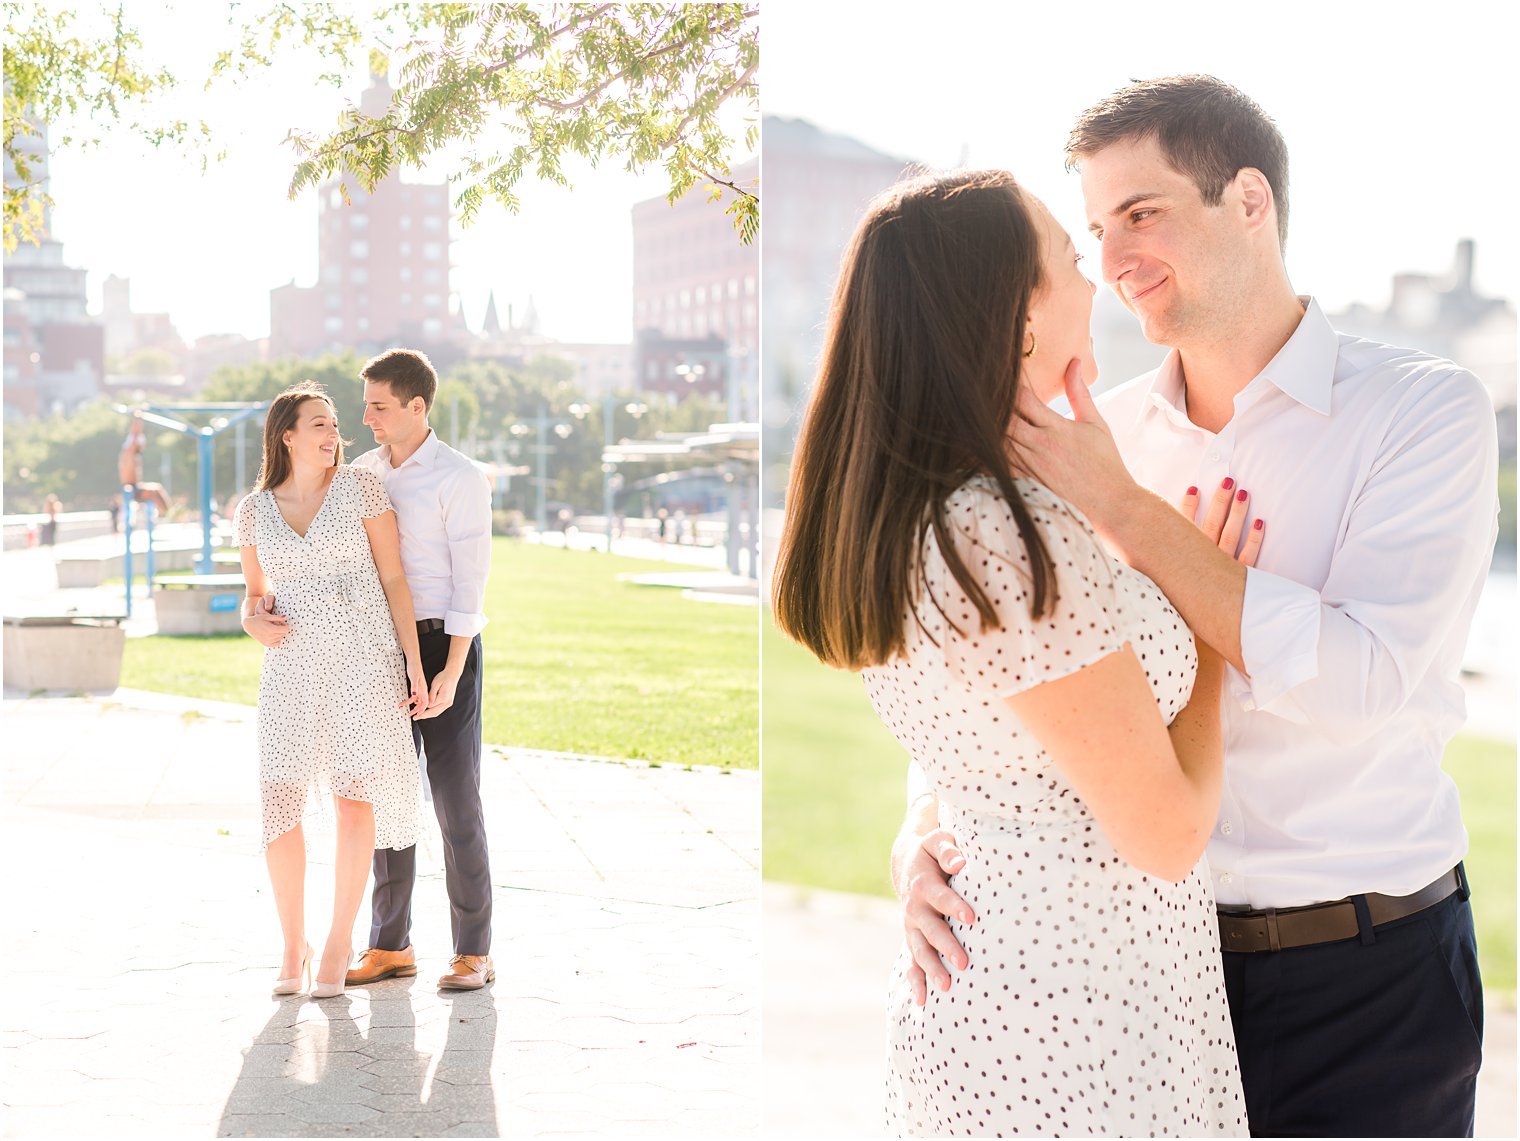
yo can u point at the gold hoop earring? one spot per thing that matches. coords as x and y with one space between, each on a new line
1033 344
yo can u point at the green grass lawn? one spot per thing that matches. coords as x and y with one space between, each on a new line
834 779
574 661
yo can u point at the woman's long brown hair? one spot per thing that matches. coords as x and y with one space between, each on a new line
274 468
915 392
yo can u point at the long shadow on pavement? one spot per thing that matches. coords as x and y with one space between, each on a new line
351 1066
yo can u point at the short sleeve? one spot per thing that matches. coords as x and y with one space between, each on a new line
1080 627
372 497
244 521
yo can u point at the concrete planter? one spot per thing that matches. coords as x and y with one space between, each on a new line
199 604
63 653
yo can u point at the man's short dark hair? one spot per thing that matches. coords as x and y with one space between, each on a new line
1207 130
408 372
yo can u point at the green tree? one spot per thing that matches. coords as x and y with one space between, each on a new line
642 82
83 71
72 456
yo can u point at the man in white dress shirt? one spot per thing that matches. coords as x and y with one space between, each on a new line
1346 933
443 511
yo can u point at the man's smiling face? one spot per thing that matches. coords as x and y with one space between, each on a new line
1173 260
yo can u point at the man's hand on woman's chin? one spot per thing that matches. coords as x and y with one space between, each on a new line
922 865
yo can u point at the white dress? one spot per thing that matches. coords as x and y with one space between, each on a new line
1094 1002
329 694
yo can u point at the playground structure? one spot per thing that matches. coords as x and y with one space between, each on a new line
151 496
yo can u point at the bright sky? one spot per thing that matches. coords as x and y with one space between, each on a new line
1395 113
207 249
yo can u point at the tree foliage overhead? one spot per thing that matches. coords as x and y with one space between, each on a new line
645 82
498 91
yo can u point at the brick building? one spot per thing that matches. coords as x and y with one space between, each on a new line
696 298
383 270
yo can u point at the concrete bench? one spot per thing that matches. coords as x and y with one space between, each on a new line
92 567
67 652
198 603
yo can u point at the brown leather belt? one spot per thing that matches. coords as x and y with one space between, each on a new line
1279 928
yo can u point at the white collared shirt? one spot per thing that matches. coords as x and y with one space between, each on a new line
443 510
1375 471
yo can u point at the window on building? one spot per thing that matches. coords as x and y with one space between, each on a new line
432 326
685 299
358 221
406 275
335 197
405 250
333 299
358 248
701 295
432 251
432 301
333 325
432 222
332 274
749 285
733 287
406 299
406 221
362 324
432 277
359 275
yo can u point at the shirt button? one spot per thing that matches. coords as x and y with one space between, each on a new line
1226 828
1226 878
1214 457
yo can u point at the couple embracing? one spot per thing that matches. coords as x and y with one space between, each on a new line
1175 675
366 586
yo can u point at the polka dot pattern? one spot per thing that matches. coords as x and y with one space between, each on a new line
329 719
1094 1001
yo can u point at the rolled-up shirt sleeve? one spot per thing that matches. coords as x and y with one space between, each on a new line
1418 537
467 521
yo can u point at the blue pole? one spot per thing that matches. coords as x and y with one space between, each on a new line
541 516
204 438
148 512
126 518
607 412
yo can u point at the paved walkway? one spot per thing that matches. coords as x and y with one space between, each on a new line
827 958
141 944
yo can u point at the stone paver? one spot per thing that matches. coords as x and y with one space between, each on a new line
827 959
142 943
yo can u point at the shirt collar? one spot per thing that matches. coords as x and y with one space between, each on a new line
425 455
1304 369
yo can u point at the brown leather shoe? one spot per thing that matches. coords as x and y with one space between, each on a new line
376 964
468 972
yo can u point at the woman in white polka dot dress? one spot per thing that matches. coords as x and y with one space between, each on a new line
1065 717
342 673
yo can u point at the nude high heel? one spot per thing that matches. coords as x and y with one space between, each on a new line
332 990
293 986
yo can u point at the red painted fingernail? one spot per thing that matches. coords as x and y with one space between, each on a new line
1192 491
1241 495
1228 483
1256 526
